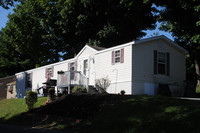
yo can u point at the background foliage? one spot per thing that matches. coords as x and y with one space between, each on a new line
40 32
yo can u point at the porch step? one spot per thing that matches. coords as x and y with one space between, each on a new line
92 90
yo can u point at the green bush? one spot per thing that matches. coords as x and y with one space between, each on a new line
51 95
31 99
79 89
122 92
51 91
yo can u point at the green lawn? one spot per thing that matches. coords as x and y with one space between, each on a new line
198 89
13 107
144 114
110 114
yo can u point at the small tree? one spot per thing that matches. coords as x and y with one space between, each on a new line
102 84
31 99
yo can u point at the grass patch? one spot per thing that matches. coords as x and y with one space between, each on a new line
115 113
13 107
198 89
144 114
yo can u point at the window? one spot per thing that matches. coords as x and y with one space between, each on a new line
161 63
85 67
49 72
29 80
72 67
118 56
10 89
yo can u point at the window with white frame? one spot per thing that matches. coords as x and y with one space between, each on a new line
117 56
162 63
72 66
85 67
29 80
49 71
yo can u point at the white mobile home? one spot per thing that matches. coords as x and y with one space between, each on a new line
138 67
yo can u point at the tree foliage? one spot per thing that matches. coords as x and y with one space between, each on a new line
40 32
8 3
22 40
182 19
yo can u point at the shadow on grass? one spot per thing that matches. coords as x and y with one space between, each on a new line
114 113
144 114
65 112
4 119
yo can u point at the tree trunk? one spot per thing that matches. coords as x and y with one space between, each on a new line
197 72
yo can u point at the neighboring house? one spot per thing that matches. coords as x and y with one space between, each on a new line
144 66
3 85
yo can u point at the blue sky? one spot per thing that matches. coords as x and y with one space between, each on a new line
151 32
4 13
3 16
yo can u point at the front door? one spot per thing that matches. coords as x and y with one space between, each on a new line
85 67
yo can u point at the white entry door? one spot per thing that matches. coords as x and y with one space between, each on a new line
86 67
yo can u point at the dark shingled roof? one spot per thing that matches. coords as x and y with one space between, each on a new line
97 48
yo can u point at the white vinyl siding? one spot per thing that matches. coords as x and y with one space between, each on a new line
120 72
129 67
38 79
143 65
117 56
87 54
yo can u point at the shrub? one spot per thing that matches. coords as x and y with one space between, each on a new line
79 89
102 84
51 91
31 99
122 92
51 94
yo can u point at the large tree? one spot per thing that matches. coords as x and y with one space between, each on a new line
6 4
104 23
182 19
45 31
22 40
